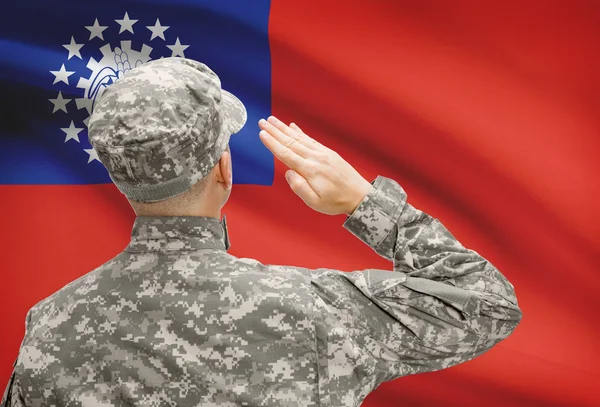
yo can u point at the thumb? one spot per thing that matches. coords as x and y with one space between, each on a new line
301 187
289 176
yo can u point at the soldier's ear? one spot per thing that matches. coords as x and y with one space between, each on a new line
224 173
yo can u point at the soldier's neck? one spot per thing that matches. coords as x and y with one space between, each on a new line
197 211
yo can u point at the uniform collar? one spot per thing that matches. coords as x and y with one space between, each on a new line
174 233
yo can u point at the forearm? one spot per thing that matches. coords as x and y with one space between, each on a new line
431 260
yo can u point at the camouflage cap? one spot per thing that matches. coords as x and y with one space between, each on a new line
163 126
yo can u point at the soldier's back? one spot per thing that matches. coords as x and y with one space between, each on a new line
178 325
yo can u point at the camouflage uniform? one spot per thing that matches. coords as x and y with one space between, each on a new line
175 320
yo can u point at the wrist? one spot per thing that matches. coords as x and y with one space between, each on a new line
361 194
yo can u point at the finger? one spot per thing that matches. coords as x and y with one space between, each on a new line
311 142
283 153
284 139
302 138
297 128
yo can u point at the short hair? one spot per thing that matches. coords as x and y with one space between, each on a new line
175 205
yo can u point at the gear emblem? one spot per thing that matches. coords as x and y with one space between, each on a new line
112 66
118 57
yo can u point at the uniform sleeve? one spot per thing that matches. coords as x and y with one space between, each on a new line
442 304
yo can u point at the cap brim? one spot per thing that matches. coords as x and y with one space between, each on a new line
233 111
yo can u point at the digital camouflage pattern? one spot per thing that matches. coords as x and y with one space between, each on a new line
163 126
174 320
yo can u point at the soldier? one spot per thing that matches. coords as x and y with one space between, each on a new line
175 320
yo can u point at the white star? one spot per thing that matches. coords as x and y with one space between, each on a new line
72 132
60 103
177 49
96 30
86 121
73 48
157 30
93 154
62 75
126 24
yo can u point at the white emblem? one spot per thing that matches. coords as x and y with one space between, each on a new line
118 57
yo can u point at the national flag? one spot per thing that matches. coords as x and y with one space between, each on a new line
486 113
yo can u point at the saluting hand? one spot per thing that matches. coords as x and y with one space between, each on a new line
318 175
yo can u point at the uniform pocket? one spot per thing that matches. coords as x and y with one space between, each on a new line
382 280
